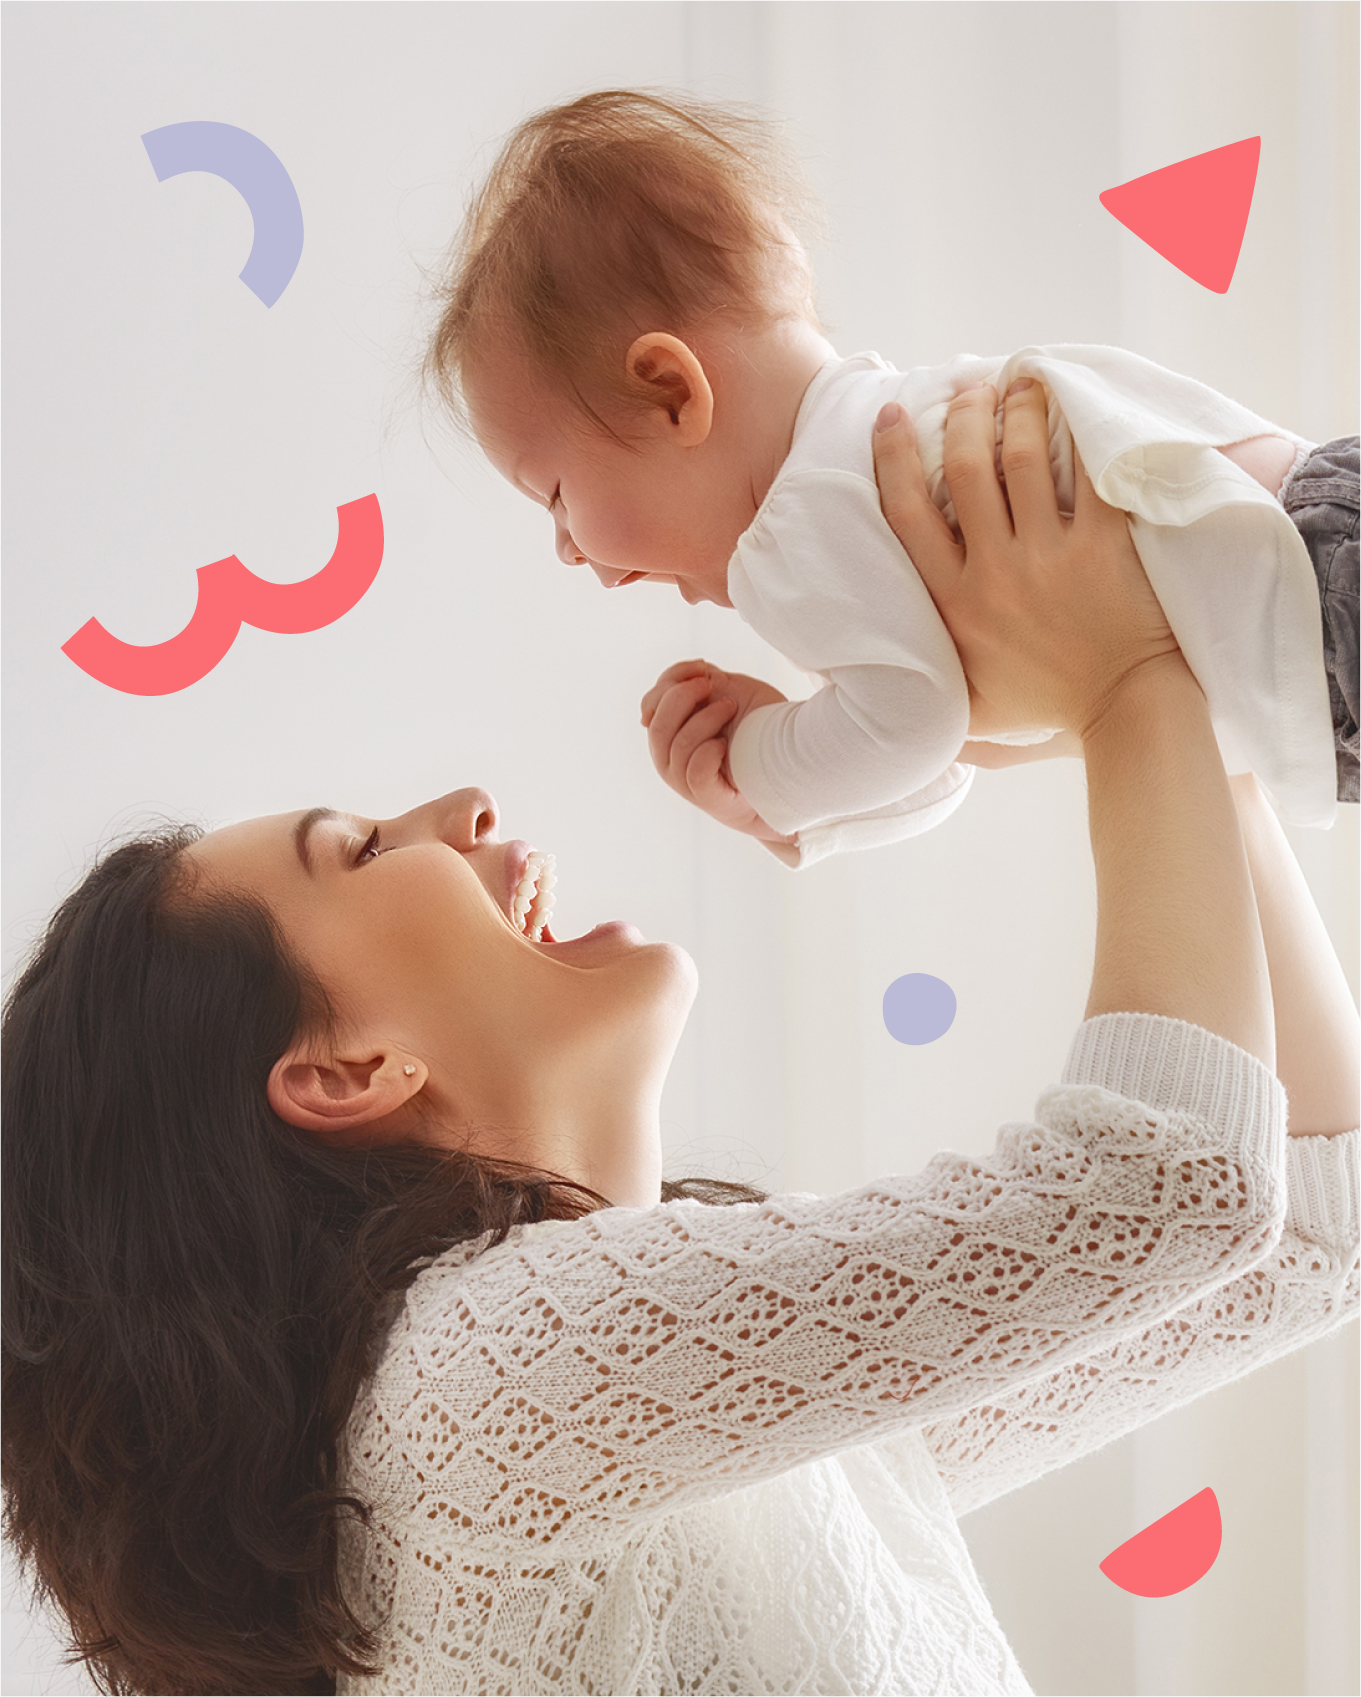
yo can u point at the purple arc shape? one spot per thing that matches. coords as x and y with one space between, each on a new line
258 176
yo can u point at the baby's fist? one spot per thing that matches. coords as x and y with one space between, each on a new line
689 713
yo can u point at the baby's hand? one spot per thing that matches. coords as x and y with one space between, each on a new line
689 714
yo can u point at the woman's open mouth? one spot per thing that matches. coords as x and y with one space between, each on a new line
532 899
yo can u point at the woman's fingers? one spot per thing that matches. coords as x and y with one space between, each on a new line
1025 460
908 509
971 469
1087 503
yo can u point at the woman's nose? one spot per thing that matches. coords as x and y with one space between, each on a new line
464 818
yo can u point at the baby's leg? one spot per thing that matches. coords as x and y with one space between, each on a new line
1267 458
1323 500
1263 457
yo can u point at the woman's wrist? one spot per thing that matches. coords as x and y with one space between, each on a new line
1157 690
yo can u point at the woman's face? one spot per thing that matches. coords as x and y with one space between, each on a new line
414 928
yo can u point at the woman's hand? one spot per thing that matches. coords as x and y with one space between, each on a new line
1056 624
1051 616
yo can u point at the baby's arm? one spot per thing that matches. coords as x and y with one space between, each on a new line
999 754
823 580
688 734
687 714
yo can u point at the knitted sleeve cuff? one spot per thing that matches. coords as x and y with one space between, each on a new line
1321 1179
1183 1069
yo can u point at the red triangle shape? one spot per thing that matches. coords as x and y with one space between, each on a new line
1194 213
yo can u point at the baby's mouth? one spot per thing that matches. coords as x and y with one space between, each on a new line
533 899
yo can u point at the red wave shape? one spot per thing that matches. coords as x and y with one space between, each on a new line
1171 1554
230 596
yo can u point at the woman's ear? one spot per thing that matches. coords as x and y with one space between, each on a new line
670 374
339 1095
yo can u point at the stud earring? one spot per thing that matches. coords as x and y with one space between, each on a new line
410 1071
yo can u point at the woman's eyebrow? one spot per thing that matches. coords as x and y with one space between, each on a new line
302 833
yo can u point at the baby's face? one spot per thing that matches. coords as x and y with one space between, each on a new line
632 513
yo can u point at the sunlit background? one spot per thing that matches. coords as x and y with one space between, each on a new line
159 417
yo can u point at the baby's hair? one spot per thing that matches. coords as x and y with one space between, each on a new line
618 214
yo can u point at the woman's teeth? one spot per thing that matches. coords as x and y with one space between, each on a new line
533 899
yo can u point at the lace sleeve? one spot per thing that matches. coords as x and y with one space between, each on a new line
607 1368
1306 1288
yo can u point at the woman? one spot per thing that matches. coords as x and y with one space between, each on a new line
344 1328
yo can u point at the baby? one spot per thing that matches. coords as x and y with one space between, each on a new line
629 327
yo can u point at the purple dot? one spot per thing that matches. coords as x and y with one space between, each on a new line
918 1008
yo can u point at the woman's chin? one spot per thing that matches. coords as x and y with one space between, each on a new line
680 966
666 981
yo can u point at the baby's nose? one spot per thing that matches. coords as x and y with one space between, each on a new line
568 552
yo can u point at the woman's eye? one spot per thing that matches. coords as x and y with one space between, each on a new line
372 848
554 498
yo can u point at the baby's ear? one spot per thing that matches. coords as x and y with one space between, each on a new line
670 375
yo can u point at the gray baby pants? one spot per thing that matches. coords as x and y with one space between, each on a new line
1321 498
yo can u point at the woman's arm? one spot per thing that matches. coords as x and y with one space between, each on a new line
1177 930
1318 1035
603 1370
1056 623
1305 1289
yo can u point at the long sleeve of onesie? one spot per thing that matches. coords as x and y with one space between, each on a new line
1307 1287
822 578
891 823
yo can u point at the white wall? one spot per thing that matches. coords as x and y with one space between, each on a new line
159 417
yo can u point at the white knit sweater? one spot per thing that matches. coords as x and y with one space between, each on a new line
722 1449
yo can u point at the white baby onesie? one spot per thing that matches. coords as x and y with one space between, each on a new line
869 758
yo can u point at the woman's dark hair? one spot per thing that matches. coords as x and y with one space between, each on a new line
194 1290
